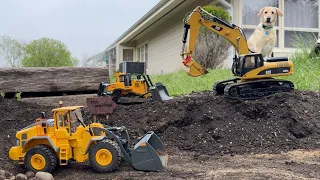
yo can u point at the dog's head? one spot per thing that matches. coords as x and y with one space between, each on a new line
268 15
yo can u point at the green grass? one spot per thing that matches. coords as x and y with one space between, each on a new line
306 69
180 82
306 73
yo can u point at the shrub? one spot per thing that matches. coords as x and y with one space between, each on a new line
211 49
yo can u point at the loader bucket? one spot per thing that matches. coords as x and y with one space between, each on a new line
159 92
149 154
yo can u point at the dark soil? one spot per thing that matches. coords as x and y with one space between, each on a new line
201 123
207 124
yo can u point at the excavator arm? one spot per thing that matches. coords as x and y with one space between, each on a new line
192 24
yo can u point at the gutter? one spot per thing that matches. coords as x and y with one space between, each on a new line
149 13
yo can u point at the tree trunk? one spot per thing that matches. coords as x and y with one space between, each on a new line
53 101
53 79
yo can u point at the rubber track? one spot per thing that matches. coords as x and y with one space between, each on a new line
256 95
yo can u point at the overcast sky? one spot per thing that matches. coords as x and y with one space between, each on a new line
85 26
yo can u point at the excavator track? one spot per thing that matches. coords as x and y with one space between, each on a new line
255 89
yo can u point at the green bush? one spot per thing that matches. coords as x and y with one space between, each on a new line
211 50
219 12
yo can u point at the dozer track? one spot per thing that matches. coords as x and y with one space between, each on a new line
252 89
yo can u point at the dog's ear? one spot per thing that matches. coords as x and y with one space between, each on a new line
260 11
279 12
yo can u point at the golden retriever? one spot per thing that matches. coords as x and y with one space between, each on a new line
264 36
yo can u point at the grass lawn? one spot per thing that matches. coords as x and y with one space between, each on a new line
306 77
306 73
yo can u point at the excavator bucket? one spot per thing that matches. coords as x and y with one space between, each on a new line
195 69
159 92
149 154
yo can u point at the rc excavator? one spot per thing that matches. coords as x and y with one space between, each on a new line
65 138
253 74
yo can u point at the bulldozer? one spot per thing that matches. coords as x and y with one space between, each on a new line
255 76
127 90
65 138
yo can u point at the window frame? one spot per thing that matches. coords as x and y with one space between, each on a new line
281 28
139 52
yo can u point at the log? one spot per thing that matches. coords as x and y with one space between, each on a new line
53 101
52 79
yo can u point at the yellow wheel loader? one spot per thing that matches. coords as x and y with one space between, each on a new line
127 90
65 138
254 75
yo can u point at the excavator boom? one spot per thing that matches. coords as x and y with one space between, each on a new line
253 71
192 24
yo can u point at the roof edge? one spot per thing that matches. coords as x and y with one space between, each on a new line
142 19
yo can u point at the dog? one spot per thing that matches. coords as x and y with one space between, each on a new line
264 36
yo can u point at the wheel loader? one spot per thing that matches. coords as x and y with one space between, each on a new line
255 77
65 138
127 90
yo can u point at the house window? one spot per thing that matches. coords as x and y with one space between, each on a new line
250 20
127 54
142 53
300 18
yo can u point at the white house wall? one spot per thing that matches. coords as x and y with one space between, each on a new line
164 49
165 43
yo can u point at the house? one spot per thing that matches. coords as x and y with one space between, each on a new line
156 38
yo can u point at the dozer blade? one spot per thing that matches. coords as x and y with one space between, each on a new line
159 92
149 154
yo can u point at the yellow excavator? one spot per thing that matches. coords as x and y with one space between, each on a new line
253 74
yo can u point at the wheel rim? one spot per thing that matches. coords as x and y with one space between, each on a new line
103 157
38 162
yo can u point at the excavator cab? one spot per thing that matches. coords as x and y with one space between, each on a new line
247 63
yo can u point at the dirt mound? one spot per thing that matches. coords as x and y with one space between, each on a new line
14 116
201 123
207 124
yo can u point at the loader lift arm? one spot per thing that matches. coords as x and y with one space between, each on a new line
192 23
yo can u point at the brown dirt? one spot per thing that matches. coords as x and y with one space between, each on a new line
206 136
207 124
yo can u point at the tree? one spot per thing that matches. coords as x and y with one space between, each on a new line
211 49
12 51
46 52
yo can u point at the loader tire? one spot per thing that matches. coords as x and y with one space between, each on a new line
41 158
105 156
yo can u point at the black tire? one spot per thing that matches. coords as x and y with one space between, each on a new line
112 148
48 155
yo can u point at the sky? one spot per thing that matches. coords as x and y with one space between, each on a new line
86 27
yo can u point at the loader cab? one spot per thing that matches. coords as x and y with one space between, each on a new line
247 63
67 119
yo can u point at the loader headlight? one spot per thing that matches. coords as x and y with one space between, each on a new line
18 142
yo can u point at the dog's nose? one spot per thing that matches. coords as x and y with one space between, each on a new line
268 19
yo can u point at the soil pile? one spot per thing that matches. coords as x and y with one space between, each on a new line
200 123
14 116
207 124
